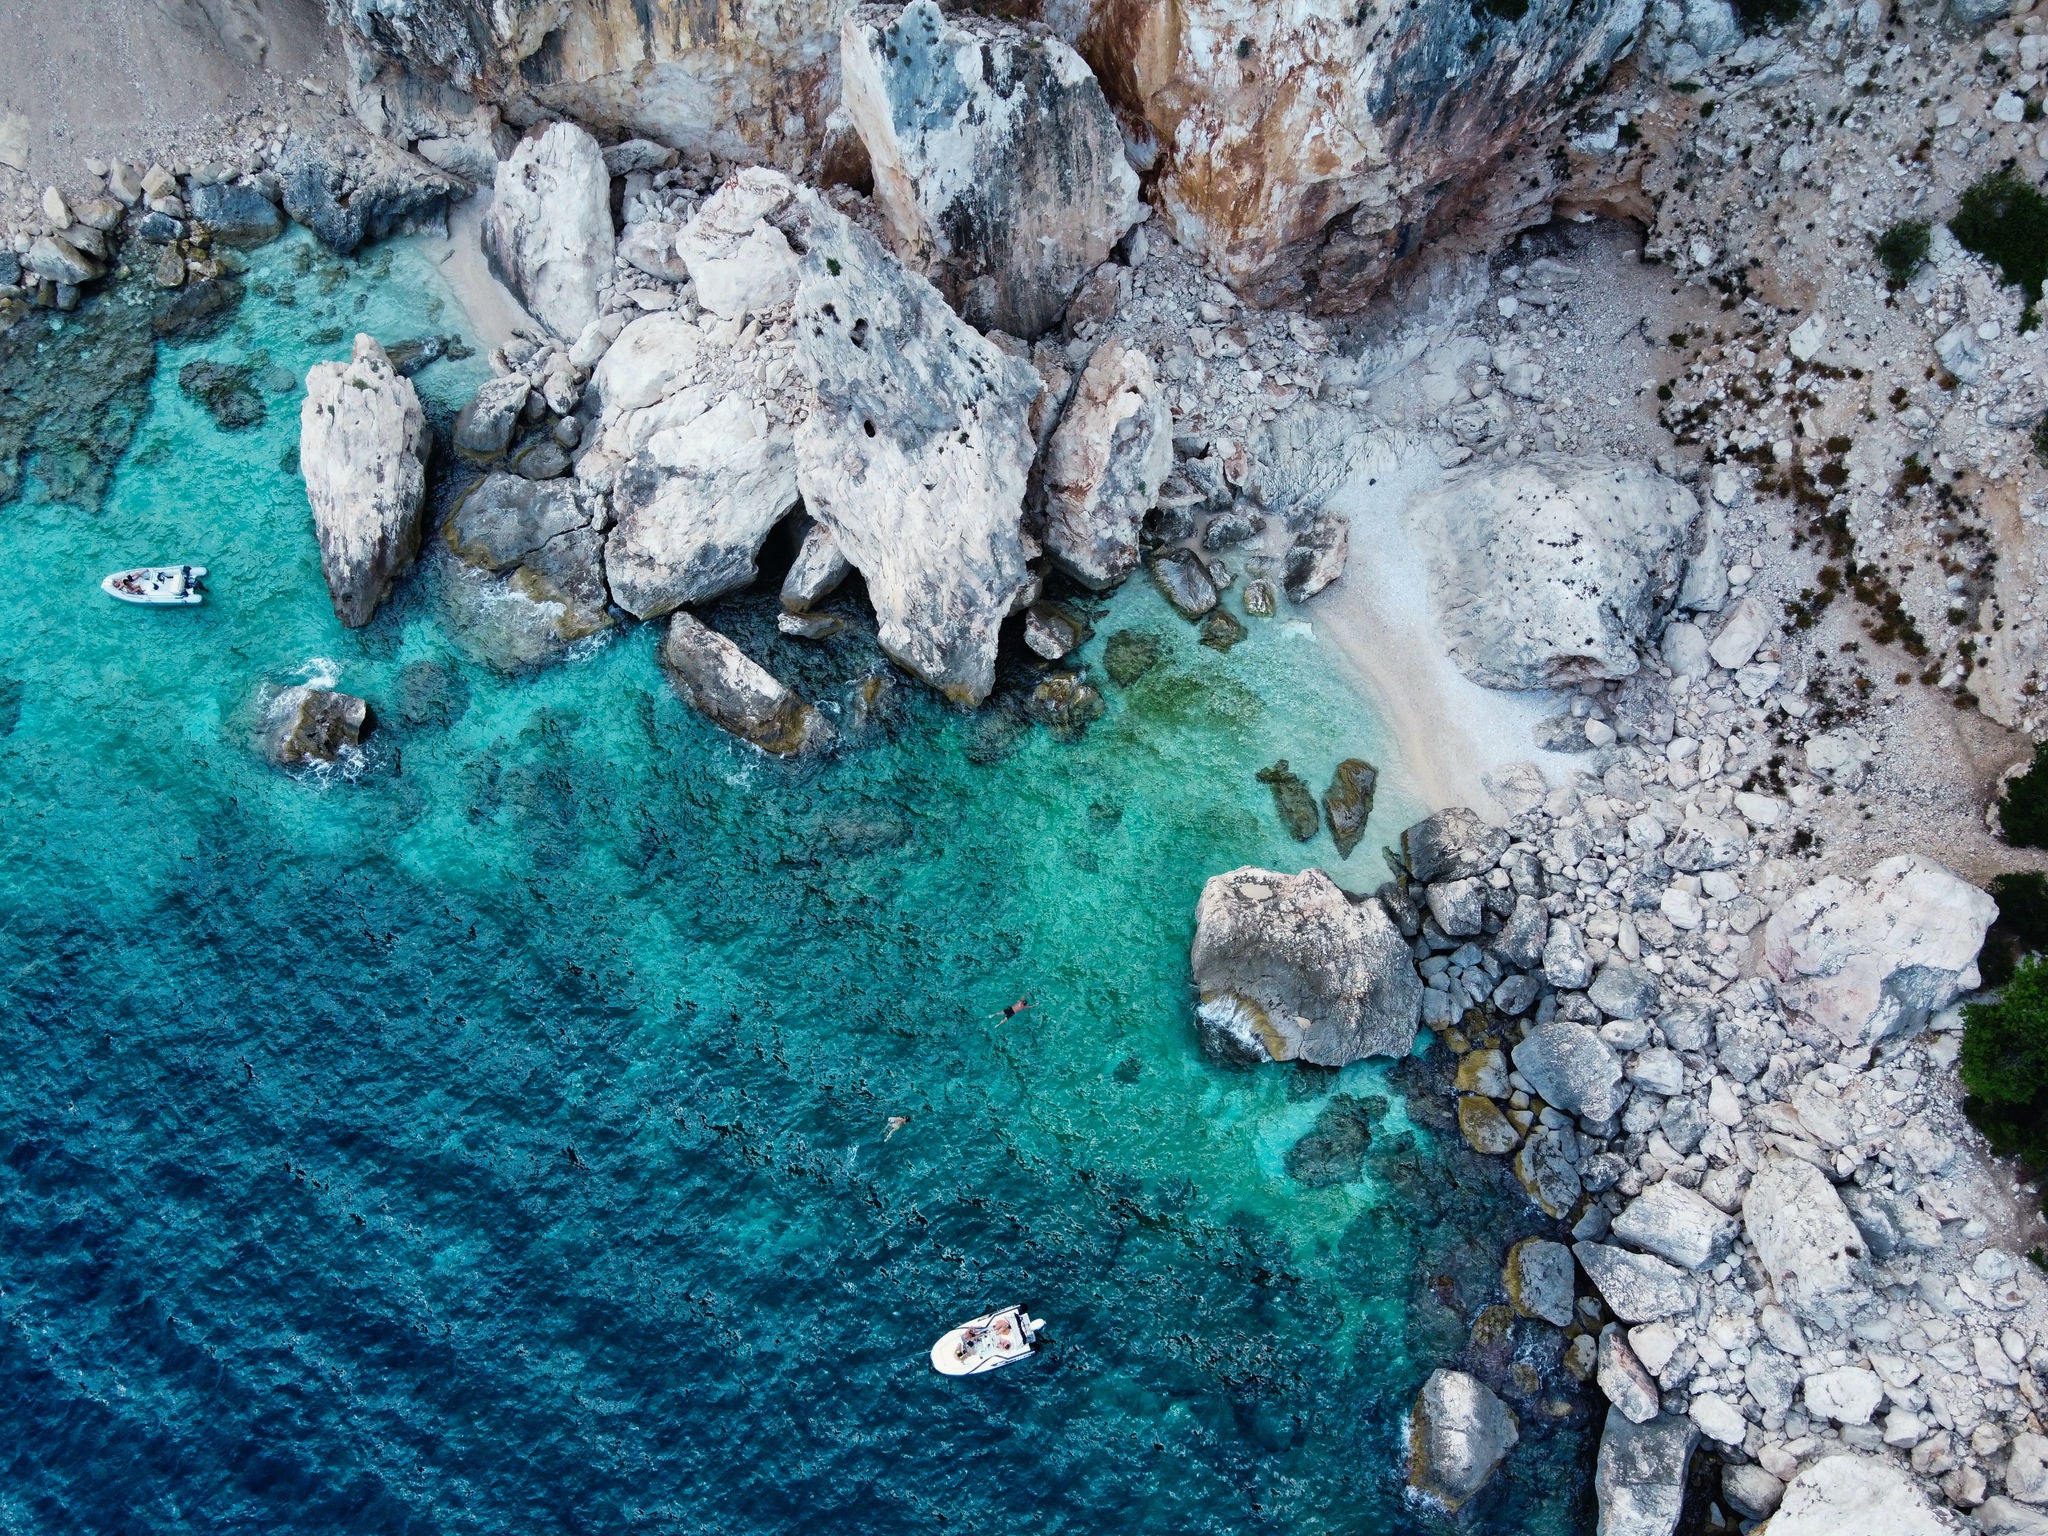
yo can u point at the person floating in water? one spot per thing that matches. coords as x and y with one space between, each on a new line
1013 1010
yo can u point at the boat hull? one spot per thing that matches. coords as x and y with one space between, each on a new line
985 1344
157 586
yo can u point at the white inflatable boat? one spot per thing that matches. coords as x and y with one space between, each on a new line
156 584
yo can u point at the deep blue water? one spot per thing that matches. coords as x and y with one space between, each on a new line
495 1139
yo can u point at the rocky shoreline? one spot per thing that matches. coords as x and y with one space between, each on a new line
1773 1232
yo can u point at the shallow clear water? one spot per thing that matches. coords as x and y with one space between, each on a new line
496 1138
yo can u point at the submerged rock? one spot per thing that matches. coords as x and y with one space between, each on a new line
226 391
1347 803
1219 631
431 694
1129 654
1289 968
732 691
1292 799
914 453
996 158
196 311
1459 1433
72 391
1065 703
312 725
361 450
694 507
1104 465
1333 1152
1554 570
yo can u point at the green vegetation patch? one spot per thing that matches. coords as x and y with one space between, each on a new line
2004 1066
1902 248
2005 220
2022 926
2023 808
1762 15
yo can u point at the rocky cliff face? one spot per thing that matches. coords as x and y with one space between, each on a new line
1307 145
1304 146
746 79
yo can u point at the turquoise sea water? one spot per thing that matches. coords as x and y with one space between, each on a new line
495 1137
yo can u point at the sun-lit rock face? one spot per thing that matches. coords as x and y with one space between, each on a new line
1306 145
726 78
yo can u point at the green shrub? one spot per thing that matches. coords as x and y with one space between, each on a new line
2022 926
2005 220
2023 808
1902 248
2004 1067
1761 15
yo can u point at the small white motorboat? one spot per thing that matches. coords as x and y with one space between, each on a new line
988 1343
157 584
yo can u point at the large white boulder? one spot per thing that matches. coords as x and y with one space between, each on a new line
1289 968
1876 960
996 158
1458 1433
1552 570
361 450
694 505
548 234
1866 1495
651 359
1104 465
1571 1067
736 249
914 453
1805 1240
1637 1287
1669 1220
1640 1476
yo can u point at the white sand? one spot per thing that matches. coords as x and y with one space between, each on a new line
492 310
1450 730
